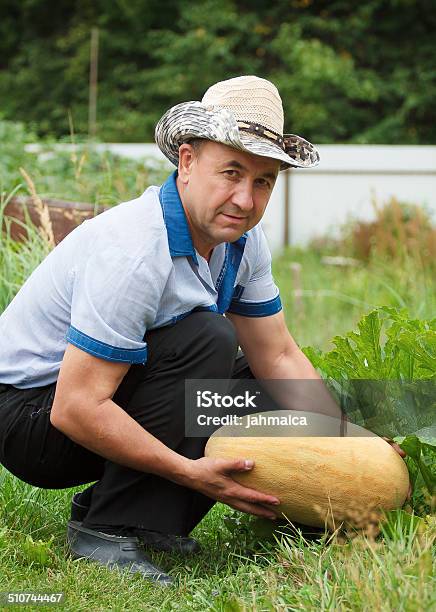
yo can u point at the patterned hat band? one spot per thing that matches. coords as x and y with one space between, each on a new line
260 130
245 113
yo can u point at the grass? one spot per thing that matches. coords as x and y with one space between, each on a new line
328 300
80 174
233 573
18 260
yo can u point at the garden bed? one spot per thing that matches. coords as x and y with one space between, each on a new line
64 215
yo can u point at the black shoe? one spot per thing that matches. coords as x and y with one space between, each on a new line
151 539
116 552
167 542
78 510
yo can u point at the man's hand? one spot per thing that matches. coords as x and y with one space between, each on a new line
212 477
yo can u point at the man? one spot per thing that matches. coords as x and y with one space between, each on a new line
97 344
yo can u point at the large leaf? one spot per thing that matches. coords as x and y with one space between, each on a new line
421 449
388 344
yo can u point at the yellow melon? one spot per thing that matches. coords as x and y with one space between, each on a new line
316 477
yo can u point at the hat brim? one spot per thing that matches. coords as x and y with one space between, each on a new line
195 120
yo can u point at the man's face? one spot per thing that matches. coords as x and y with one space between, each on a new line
224 191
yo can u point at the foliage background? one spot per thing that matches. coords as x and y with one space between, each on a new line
347 72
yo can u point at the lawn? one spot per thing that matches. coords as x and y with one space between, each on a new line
243 566
234 572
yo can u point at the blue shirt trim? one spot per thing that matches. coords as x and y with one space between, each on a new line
179 237
256 309
232 261
103 350
224 267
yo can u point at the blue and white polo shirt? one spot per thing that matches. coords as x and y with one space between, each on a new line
131 269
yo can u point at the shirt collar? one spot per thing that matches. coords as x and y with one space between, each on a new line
179 236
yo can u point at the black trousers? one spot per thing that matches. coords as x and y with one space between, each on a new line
202 345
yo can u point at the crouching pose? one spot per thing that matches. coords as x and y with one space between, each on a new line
97 345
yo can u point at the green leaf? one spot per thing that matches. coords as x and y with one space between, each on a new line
232 605
38 551
398 523
413 446
388 344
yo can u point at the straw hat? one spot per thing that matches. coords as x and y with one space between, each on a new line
246 113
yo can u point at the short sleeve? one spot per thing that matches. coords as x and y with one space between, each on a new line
260 297
114 297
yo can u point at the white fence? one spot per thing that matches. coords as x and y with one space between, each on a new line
321 199
310 203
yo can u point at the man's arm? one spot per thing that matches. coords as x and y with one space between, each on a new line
84 411
273 354
270 349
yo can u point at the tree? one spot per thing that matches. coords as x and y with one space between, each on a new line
347 72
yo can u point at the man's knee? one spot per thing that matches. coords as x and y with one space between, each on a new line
204 342
218 332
